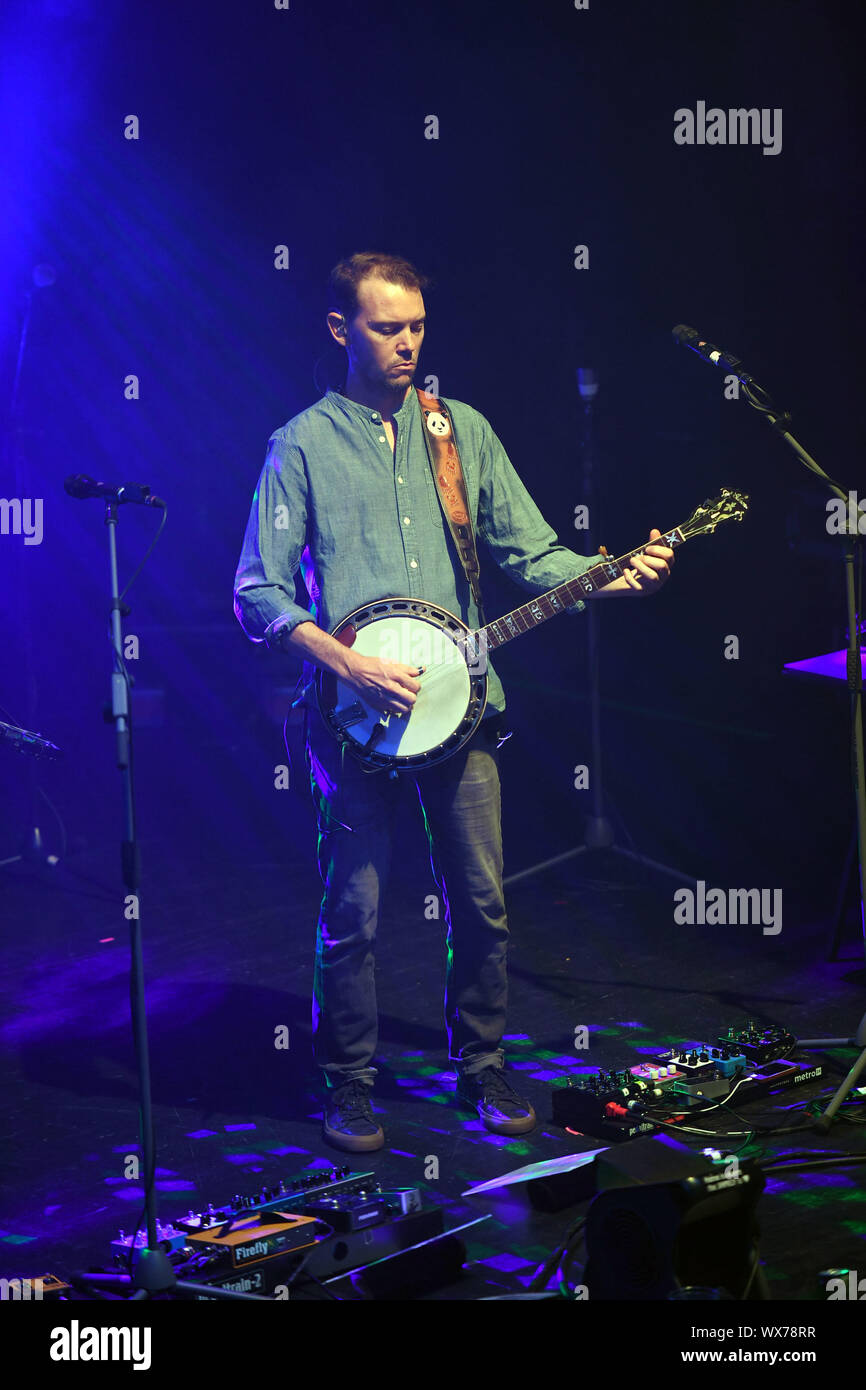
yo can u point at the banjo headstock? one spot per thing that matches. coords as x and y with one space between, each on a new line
728 506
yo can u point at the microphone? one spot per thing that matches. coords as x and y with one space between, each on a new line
80 486
690 338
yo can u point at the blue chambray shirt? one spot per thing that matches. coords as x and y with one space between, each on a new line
363 523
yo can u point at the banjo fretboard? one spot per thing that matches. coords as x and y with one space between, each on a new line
564 596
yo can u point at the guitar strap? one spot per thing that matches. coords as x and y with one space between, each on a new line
441 441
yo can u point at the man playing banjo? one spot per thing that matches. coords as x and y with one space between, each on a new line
350 494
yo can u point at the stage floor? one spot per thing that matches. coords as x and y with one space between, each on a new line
228 958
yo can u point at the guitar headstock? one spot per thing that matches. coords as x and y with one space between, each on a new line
728 506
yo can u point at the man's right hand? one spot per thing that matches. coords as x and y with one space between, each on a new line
389 686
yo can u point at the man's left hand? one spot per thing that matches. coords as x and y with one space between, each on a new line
652 568
645 573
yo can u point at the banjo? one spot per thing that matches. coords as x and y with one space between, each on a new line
452 658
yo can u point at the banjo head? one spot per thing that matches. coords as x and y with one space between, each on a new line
453 694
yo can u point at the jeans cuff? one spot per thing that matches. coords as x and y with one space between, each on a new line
333 1079
468 1066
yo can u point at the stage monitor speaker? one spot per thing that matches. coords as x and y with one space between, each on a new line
666 1220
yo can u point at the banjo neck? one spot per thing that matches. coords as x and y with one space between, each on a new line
451 658
538 610
728 506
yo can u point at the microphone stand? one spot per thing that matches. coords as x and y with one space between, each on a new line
153 1272
780 421
853 560
599 833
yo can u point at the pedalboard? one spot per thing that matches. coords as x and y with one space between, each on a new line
768 1045
331 1221
619 1105
611 1105
265 1238
293 1195
764 1078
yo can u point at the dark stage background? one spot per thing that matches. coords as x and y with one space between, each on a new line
306 128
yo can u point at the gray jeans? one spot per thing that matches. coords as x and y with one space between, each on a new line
460 800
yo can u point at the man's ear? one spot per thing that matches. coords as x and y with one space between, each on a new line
337 326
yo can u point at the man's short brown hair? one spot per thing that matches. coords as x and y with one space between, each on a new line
347 275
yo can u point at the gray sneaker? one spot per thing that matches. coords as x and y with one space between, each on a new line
500 1108
348 1121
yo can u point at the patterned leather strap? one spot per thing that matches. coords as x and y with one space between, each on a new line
441 441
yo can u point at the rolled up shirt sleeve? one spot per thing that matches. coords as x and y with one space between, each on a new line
274 541
515 532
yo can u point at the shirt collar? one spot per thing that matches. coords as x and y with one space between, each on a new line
366 412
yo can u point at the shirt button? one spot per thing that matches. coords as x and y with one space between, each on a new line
413 564
399 479
381 439
406 521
